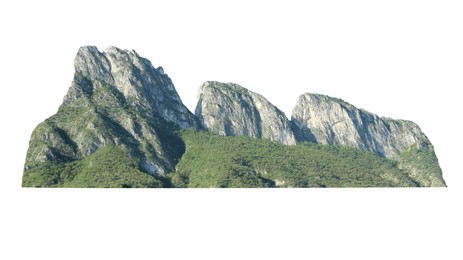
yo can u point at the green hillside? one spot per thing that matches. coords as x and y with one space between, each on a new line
218 161
228 162
108 167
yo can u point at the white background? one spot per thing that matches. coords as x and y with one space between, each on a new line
400 59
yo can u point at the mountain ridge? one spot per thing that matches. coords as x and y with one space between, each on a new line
120 102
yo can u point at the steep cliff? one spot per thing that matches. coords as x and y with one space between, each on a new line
144 88
326 120
231 110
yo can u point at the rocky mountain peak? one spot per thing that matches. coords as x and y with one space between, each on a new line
139 84
117 98
229 109
92 64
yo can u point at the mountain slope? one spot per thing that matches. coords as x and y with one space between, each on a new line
325 120
211 160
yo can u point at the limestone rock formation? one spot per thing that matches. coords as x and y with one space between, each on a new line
231 110
142 86
327 120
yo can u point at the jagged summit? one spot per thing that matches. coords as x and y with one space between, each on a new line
139 83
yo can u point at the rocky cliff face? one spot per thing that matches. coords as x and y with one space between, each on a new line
143 87
117 98
231 110
326 120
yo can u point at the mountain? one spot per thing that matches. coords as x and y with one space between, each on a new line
122 124
231 110
325 120
117 100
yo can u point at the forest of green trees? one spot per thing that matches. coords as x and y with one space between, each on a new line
225 161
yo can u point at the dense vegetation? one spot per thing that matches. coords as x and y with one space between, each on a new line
121 128
108 167
218 161
422 165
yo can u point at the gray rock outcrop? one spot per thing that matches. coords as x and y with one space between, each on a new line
231 110
326 120
143 87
